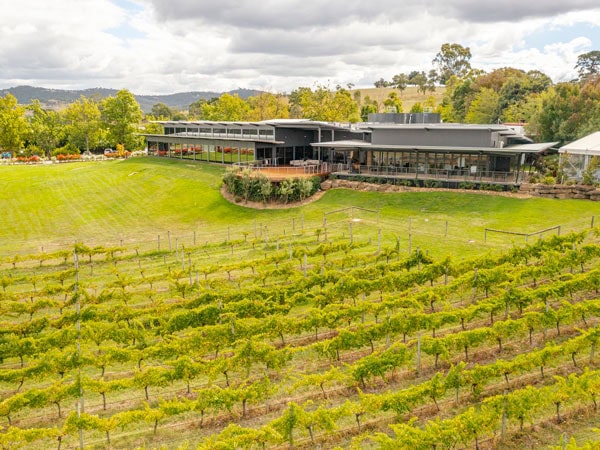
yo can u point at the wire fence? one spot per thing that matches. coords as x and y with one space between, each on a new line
352 224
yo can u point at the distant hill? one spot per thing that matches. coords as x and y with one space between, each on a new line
58 98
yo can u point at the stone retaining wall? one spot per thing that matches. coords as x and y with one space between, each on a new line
362 186
526 190
561 191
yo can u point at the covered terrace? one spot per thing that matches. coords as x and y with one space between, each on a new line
507 166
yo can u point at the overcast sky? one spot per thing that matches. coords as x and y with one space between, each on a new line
167 46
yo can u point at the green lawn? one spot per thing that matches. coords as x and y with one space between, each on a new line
138 199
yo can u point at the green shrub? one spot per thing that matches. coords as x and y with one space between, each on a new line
590 172
466 185
230 180
68 149
252 186
432 183
548 180
33 150
285 190
316 185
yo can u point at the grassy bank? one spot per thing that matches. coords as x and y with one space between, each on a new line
138 199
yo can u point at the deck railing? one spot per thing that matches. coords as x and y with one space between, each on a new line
458 174
308 167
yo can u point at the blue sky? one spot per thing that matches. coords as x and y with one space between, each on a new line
166 46
543 37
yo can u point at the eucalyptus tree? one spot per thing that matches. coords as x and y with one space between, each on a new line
46 128
121 115
13 125
83 126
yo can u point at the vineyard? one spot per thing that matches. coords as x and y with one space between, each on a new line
322 341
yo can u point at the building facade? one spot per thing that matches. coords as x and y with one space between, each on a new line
270 142
392 149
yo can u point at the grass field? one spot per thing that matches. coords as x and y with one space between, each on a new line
291 328
136 200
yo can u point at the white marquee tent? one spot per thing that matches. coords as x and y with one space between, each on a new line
577 155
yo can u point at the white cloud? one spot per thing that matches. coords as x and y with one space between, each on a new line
165 46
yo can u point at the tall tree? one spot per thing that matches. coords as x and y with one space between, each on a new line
587 108
122 115
412 75
46 128
162 111
420 79
392 103
295 98
417 108
13 125
452 59
226 107
432 78
588 64
567 111
589 105
523 110
268 106
554 118
484 107
325 104
496 78
381 83
369 107
516 88
457 98
539 80
195 109
151 127
400 82
83 123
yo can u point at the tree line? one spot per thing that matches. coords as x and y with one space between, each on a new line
551 111
561 111
87 124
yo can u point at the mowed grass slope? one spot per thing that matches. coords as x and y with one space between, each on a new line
137 199
96 202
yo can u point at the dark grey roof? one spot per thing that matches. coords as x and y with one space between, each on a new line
509 150
438 126
277 123
180 137
531 148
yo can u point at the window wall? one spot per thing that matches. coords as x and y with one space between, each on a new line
423 162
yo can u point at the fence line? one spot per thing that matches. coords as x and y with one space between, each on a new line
527 235
298 230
